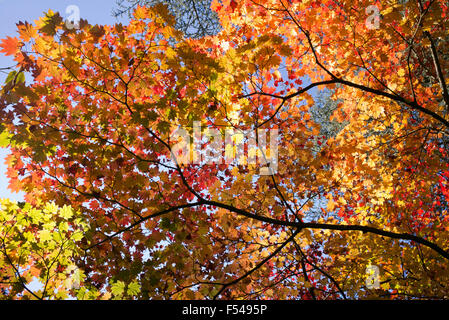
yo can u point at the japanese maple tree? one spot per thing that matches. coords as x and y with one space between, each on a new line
93 128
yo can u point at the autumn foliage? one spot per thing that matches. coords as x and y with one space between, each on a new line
91 127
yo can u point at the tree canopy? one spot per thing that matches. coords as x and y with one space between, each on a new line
357 187
194 17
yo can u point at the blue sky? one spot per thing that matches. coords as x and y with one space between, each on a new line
13 11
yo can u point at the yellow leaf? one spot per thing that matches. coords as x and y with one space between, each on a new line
45 235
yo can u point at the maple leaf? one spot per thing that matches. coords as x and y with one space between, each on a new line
331 205
133 289
9 45
118 288
26 31
233 4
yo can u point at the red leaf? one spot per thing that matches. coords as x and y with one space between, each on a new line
233 5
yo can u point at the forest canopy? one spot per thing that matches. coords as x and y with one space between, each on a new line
313 161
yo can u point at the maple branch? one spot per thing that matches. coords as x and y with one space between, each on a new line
126 104
48 277
306 277
410 45
411 48
389 234
17 273
285 98
309 40
371 73
260 264
327 226
156 214
394 97
397 98
283 200
438 69
320 270
410 53
252 295
91 194
6 68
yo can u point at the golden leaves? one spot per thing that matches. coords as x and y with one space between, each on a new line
109 100
43 236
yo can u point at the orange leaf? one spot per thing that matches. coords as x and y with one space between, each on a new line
9 46
26 30
331 205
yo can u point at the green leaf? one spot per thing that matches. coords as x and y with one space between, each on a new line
20 77
133 288
213 76
118 288
51 21
143 166
10 76
163 126
165 223
152 115
171 114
